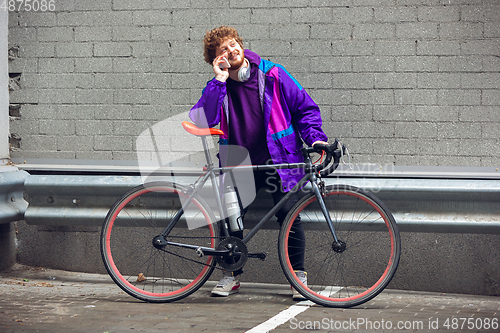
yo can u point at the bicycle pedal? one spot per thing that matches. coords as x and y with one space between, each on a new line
262 256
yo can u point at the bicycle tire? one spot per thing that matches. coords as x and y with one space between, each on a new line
371 256
139 268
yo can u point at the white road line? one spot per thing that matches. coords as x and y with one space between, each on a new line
289 313
281 317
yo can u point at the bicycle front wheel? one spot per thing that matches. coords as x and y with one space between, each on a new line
147 272
357 269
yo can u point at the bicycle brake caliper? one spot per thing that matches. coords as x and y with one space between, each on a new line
322 188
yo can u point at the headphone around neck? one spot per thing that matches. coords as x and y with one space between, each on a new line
244 72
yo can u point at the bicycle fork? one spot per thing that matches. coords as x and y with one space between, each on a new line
338 245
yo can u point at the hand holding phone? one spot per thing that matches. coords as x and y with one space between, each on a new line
220 66
224 64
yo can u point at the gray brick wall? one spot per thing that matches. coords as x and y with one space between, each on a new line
405 82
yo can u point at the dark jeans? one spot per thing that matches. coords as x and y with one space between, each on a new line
270 181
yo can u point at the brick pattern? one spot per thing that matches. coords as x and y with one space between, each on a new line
405 82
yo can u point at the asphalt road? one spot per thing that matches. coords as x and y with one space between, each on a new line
44 300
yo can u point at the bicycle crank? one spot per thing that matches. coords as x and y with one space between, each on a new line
237 255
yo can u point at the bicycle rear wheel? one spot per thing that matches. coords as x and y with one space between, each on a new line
139 268
367 260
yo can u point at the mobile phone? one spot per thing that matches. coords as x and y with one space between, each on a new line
225 64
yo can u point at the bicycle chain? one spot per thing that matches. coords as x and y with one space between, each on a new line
192 260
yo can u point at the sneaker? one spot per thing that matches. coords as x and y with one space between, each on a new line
303 278
227 285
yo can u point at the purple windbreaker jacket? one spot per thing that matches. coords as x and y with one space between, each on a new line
291 117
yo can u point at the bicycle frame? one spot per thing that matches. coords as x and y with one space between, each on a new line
310 176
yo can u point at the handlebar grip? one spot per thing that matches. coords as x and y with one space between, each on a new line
319 148
336 161
333 150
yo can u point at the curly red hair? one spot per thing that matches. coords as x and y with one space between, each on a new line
215 37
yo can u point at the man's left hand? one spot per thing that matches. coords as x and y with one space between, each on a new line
320 142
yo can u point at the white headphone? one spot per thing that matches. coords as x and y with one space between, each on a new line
244 72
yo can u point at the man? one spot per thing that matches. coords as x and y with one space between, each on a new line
262 108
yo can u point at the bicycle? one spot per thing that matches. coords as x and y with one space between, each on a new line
352 240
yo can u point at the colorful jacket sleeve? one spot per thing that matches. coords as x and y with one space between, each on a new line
306 114
207 111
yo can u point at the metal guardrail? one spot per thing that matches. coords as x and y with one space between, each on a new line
70 200
419 204
119 167
12 203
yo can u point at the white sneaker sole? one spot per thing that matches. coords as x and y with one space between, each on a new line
296 296
299 298
225 293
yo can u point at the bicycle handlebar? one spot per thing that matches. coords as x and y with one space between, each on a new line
334 150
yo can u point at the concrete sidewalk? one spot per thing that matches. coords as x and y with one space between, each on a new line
44 300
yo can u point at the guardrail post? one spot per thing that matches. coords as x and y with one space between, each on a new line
7 246
7 234
12 208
